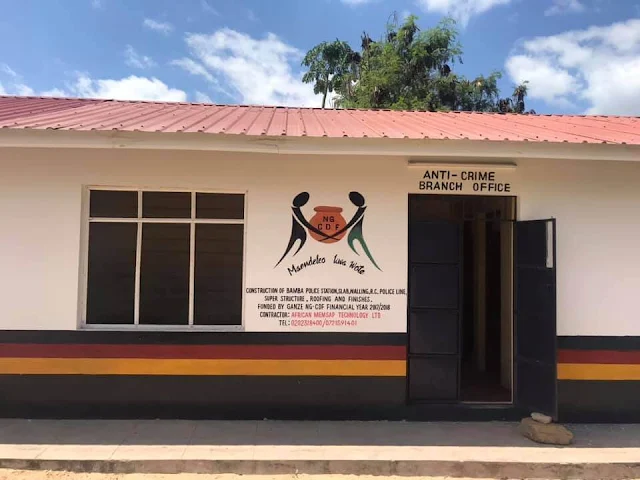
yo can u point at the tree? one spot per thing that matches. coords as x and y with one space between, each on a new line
330 65
515 104
406 69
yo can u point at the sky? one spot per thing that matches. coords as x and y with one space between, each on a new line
579 56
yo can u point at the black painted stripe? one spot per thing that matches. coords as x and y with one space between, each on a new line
301 398
598 401
199 338
599 343
135 390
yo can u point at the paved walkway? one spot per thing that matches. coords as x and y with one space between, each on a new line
403 448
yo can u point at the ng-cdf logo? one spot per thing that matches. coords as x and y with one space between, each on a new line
327 225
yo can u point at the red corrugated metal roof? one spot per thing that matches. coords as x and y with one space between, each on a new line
84 114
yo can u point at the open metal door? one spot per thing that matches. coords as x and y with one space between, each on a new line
435 273
535 317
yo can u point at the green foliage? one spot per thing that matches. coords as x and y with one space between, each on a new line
407 69
331 66
515 104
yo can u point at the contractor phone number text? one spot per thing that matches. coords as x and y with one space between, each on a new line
325 323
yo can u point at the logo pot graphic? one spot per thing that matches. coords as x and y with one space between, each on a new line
327 226
329 221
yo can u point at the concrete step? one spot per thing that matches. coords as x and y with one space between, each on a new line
474 450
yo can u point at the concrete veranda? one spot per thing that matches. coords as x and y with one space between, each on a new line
492 449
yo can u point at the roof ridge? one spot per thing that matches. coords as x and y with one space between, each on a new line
286 107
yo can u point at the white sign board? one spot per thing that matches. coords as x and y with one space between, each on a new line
464 180
327 261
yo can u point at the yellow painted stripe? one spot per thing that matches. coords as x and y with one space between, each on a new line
598 371
145 366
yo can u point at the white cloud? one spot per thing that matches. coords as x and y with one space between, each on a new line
129 88
15 85
599 66
135 60
546 81
193 67
202 97
206 7
259 70
162 27
561 7
8 70
461 10
54 92
24 90
196 68
251 15
17 89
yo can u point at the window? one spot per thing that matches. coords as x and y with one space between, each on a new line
160 258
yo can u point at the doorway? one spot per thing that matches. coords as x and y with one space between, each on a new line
461 287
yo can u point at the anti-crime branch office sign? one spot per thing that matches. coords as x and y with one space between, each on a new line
465 180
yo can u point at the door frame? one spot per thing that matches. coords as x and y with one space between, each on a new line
460 222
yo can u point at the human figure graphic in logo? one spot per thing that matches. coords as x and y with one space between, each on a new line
328 225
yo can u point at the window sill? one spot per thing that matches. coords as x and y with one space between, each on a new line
164 328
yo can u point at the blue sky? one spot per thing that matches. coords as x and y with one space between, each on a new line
580 56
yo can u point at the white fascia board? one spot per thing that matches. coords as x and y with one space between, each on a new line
407 148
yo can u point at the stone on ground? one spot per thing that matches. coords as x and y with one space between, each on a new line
541 418
550 433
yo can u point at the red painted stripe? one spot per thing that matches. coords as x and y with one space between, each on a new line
598 356
267 352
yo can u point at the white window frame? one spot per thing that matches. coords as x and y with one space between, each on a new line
139 220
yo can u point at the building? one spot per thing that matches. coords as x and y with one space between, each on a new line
182 260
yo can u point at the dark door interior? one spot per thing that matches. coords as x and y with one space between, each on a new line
535 317
434 310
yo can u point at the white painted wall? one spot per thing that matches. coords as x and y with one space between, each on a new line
41 209
595 204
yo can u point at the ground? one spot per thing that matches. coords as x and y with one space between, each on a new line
49 475
487 449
